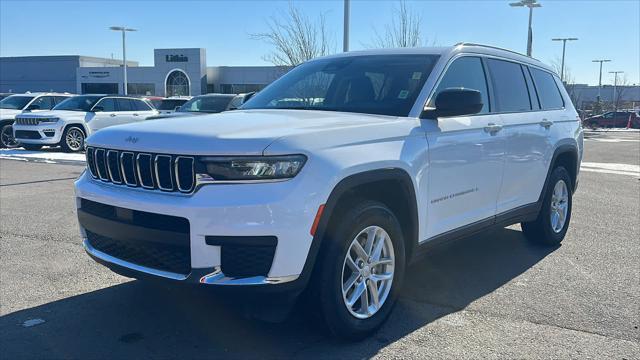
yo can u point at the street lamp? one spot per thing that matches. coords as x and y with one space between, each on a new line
615 83
600 78
124 53
530 4
345 30
564 45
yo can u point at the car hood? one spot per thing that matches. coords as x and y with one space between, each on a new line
55 113
240 132
175 114
8 113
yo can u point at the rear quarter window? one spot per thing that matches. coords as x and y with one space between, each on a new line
548 92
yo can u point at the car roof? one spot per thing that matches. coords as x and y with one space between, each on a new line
448 52
34 94
217 95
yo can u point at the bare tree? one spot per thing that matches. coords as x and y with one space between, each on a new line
404 30
556 64
295 38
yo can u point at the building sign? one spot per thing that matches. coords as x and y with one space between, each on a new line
176 58
97 74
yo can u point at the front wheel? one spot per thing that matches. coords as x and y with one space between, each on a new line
72 139
552 222
361 271
6 137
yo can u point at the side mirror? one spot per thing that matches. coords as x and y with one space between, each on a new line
176 109
455 102
97 109
33 107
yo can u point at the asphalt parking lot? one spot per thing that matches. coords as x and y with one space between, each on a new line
490 296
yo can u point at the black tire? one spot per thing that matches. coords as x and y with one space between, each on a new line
328 279
7 141
31 147
76 143
541 230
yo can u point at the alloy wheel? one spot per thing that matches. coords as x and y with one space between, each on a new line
367 272
74 139
6 137
559 206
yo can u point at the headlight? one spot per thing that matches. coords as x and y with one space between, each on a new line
253 167
49 120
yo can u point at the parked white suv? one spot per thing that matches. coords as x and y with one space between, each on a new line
71 121
15 104
336 176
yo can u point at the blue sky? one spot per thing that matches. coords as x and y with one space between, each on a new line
609 29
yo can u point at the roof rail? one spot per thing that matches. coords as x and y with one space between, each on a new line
496 48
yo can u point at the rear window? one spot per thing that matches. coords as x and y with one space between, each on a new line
139 105
509 86
548 91
169 104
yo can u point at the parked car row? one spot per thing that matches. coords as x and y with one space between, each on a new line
614 119
34 120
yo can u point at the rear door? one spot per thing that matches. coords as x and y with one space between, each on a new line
466 155
527 129
141 110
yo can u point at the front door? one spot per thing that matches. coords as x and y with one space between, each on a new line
106 114
466 156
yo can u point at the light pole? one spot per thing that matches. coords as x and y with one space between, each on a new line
345 31
564 45
530 4
124 53
600 78
615 83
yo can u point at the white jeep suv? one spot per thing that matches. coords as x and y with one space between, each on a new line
336 176
15 104
71 121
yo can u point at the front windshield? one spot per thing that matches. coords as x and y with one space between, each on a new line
15 102
207 104
78 103
371 84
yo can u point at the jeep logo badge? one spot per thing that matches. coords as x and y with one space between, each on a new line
131 139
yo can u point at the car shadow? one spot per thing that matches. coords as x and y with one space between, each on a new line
144 320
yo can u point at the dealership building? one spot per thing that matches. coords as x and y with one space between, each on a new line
175 72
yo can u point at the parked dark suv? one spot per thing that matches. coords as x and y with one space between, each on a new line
613 119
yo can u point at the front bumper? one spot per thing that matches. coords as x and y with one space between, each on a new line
48 133
250 210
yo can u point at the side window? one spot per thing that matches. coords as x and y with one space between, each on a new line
548 92
139 105
509 86
107 104
235 103
608 115
466 72
43 102
124 104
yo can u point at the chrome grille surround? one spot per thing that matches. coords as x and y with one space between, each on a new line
25 120
149 171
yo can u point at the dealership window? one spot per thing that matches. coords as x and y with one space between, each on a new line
99 88
211 88
141 89
177 84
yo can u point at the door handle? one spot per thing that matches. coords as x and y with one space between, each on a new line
492 128
135 114
112 115
546 123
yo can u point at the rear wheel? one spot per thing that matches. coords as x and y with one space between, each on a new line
361 271
72 139
6 137
552 222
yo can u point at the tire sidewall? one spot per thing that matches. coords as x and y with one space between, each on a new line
559 173
338 318
2 129
63 141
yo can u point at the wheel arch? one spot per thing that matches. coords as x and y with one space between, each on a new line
353 187
566 155
76 124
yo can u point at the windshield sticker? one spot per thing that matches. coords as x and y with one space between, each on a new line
416 75
403 94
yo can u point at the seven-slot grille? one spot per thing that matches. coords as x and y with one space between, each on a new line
31 120
140 169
